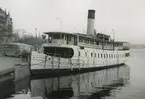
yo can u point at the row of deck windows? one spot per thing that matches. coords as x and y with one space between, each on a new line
100 55
107 55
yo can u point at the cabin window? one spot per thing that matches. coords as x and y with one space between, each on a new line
75 40
59 52
56 36
88 41
127 54
65 37
97 43
101 55
81 39
92 41
104 55
91 54
81 47
98 55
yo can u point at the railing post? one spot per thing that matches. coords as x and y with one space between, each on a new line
79 63
58 63
45 62
52 62
71 64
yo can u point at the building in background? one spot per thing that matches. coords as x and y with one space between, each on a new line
6 26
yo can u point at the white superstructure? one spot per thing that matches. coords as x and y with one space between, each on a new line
67 53
71 51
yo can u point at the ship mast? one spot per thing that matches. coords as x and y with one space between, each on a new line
113 38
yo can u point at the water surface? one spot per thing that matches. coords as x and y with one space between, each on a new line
124 82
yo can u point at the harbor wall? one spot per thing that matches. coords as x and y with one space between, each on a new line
21 72
13 68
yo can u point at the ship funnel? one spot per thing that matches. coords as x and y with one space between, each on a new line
91 20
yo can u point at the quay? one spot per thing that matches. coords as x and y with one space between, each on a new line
13 68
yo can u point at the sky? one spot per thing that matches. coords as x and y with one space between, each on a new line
125 17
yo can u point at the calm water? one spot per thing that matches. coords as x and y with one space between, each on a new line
125 82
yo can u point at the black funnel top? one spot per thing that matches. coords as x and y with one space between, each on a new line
91 14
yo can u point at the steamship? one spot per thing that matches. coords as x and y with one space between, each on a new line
70 52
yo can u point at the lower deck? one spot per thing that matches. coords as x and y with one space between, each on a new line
93 59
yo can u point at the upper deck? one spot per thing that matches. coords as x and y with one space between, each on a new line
98 41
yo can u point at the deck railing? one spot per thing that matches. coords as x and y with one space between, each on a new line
55 61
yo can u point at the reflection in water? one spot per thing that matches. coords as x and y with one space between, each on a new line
6 89
89 85
98 84
10 87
